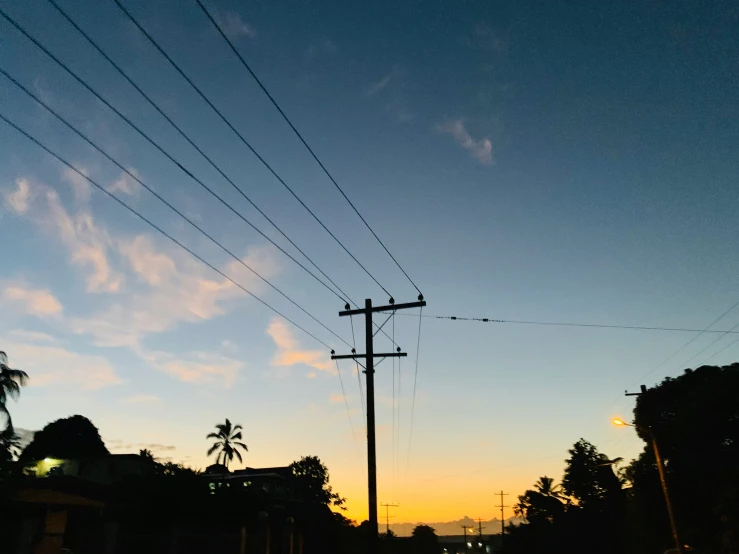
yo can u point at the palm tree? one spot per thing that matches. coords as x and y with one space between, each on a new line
228 442
545 485
11 381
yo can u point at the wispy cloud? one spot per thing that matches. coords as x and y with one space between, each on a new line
384 82
197 367
336 398
19 198
125 184
480 149
234 26
86 242
38 302
53 365
141 399
289 352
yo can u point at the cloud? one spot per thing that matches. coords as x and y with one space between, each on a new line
80 186
234 27
86 242
38 302
197 367
152 266
288 351
31 336
383 83
125 184
179 289
141 399
481 150
486 38
18 199
49 365
336 398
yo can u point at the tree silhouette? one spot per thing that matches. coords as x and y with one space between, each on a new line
545 485
11 381
424 540
71 437
695 419
589 477
228 443
311 481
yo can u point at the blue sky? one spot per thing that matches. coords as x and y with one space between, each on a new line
567 162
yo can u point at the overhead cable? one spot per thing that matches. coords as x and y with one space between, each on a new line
162 231
242 139
161 199
300 136
156 145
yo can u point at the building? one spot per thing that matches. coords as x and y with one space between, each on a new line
102 469
275 481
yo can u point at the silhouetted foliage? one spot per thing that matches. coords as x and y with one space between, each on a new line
228 441
11 381
312 482
695 419
71 437
424 540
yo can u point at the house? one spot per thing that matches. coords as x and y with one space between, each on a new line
102 469
275 481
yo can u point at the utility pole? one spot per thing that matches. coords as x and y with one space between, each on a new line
502 514
479 532
465 527
642 390
369 371
387 515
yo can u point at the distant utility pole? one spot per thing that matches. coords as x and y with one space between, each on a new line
642 390
369 371
479 531
387 515
465 527
502 513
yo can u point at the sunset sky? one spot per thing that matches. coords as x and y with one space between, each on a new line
556 162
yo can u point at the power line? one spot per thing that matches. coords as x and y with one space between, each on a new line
199 150
700 333
164 152
241 137
413 398
567 324
300 136
712 356
710 345
162 231
359 377
161 199
346 403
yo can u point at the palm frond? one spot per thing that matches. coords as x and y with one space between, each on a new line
241 445
237 427
235 436
238 455
213 436
213 448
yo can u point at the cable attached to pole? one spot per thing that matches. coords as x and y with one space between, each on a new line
300 136
152 224
242 139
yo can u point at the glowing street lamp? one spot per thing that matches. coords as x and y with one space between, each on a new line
661 469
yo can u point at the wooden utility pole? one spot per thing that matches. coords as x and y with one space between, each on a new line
465 527
387 515
502 513
369 371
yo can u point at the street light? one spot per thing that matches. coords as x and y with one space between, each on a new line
661 469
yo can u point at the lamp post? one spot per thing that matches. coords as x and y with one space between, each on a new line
661 469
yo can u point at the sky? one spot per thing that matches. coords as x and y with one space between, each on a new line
557 162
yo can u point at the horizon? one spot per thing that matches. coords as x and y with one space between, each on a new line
555 170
